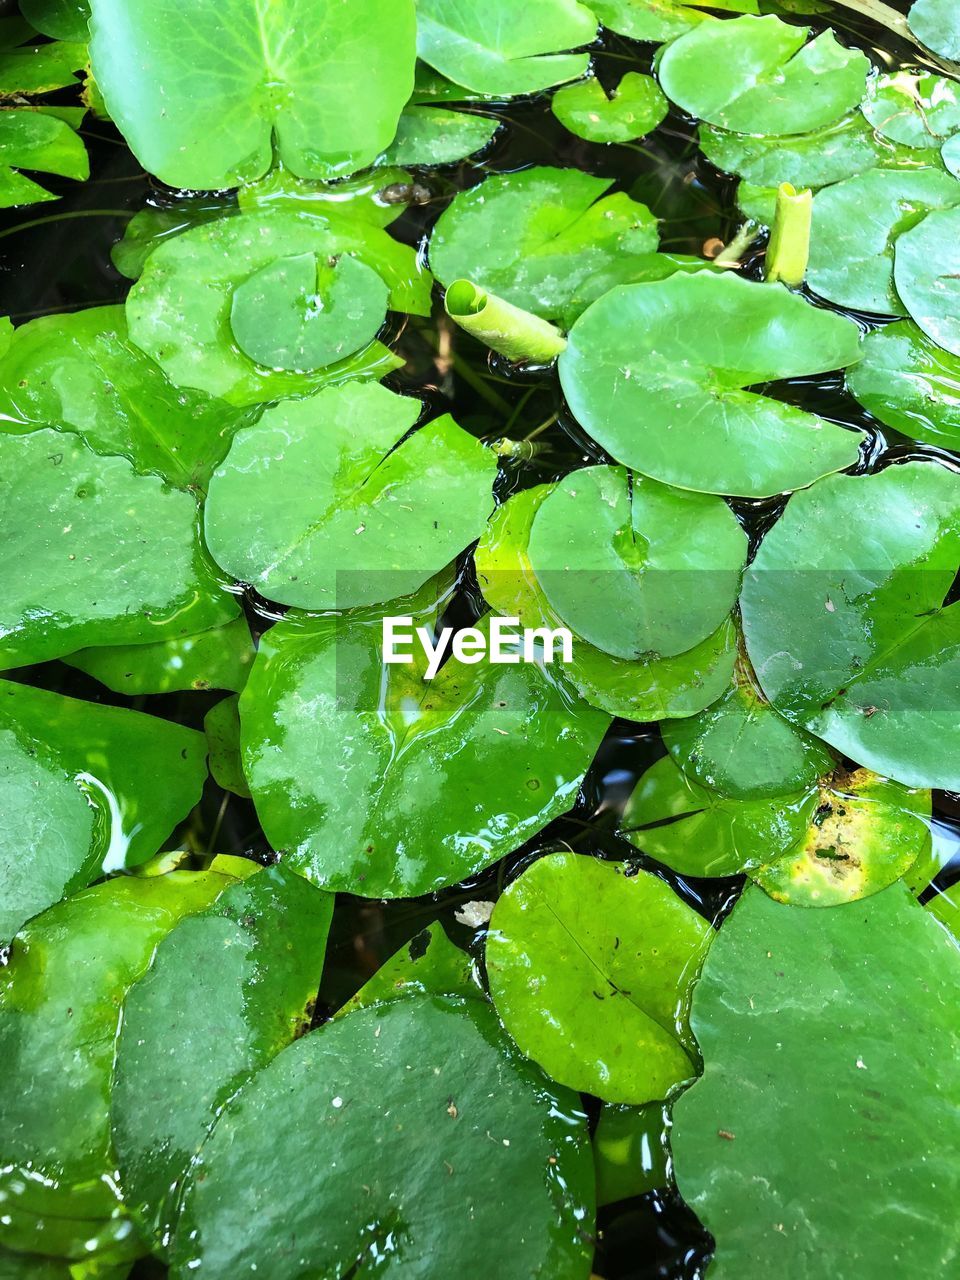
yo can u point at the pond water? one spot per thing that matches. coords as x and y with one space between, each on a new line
56 258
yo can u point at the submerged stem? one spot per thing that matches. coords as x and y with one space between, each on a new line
789 247
513 333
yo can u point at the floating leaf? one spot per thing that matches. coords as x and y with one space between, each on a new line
937 24
98 554
329 504
950 154
151 226
210 112
497 48
40 68
843 618
671 561
660 19
547 240
634 108
611 1019
741 747
251 962
216 659
66 978
82 372
429 135
221 724
909 383
855 226
927 274
757 75
179 312
630 1151
61 19
39 142
656 372
382 784
428 965
916 111
367 197
793 1014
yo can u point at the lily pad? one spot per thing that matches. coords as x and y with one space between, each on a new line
856 225
365 197
494 47
251 962
950 154
221 724
655 373
937 24
379 783
216 659
211 112
793 1013
630 1151
98 554
758 75
82 372
844 619
41 143
927 274
152 225
429 135
916 111
611 1019
909 383
670 560
328 503
428 965
67 976
659 20
652 689
547 240
60 19
179 312
634 109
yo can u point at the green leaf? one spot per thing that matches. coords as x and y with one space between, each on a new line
429 135
950 155
611 1019
909 383
655 373
216 659
916 111
671 561
221 724
40 142
457 1098
151 226
211 111
793 1014
61 19
135 777
494 47
927 274
699 832
843 618
40 68
856 225
82 372
743 748
66 978
98 554
658 20
428 965
328 503
547 240
865 833
630 1151
378 196
634 108
937 24
756 75
651 689
179 312
383 784
16 190
251 962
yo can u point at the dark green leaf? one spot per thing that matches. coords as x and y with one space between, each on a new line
927 274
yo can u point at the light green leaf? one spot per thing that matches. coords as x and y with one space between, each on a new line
61 19
216 659
251 963
611 1019
326 505
98 554
655 373
378 196
82 372
856 224
428 965
179 312
652 689
757 75
15 190
916 111
927 274
151 226
429 135
670 560
793 1014
457 1097
40 68
495 47
909 383
658 20
634 108
845 625
383 784
210 112
950 155
547 240
630 1151
39 142
221 724
937 24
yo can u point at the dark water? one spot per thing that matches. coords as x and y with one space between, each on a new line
56 258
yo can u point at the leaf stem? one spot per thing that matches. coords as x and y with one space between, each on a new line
514 333
473 380
738 246
789 247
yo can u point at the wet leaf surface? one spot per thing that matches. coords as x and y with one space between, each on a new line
927 275
634 109
216 659
909 383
